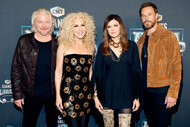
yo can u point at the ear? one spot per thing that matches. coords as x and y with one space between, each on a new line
157 17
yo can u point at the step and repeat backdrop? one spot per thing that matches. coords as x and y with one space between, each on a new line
15 21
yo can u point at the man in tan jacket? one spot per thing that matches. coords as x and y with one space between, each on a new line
159 52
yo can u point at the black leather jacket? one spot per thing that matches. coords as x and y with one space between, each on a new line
24 66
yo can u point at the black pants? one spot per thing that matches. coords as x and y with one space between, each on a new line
79 121
155 110
33 107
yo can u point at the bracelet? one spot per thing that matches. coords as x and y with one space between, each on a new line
95 96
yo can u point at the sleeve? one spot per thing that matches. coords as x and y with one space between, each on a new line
136 75
16 73
176 67
98 75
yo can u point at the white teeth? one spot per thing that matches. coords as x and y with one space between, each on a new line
80 33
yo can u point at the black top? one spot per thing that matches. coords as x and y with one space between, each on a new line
75 86
144 59
42 85
23 67
117 80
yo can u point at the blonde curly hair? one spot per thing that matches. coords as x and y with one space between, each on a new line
66 35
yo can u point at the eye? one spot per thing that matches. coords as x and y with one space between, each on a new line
108 27
115 25
75 25
149 14
83 25
142 16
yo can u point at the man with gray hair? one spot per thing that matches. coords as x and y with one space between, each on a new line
32 72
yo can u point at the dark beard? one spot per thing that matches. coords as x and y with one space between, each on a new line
152 25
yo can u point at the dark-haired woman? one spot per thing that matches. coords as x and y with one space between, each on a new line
116 75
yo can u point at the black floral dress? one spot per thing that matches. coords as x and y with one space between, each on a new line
75 86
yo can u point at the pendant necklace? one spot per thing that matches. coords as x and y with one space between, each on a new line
114 44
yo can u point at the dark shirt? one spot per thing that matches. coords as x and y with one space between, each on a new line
42 85
144 59
115 90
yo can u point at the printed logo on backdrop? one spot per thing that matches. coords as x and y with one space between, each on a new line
135 34
6 92
61 122
57 12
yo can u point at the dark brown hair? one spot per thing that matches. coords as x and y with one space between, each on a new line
106 37
148 4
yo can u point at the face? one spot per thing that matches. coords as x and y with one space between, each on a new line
79 28
113 28
148 17
43 24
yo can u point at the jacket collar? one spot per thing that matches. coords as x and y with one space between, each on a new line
54 41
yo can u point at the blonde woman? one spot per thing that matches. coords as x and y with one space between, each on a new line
76 40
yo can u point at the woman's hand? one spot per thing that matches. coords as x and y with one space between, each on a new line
98 105
136 105
59 104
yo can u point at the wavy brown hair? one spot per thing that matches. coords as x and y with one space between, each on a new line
106 36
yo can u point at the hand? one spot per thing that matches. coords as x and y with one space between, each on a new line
170 102
136 105
98 105
59 104
19 103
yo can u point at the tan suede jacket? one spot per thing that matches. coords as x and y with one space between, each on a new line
164 60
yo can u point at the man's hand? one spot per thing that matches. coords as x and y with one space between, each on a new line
19 103
170 102
136 105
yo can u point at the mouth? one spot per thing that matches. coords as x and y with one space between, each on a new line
44 28
147 22
113 32
80 33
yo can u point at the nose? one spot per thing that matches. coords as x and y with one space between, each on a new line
146 17
43 24
80 28
112 28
